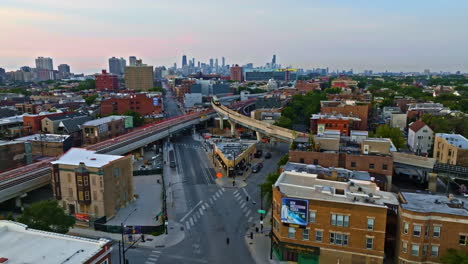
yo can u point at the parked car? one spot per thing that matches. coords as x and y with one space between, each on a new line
260 165
256 168
172 164
258 154
267 155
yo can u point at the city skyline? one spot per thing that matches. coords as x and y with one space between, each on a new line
306 35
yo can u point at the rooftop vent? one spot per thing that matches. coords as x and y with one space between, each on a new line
93 159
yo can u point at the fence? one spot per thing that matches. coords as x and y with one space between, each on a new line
100 225
147 172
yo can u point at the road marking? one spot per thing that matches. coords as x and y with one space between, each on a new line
191 222
155 251
187 225
223 189
250 219
242 202
201 211
187 260
245 209
206 206
197 216
220 192
150 262
211 200
183 218
237 195
248 212
214 198
243 189
203 206
152 259
242 205
236 191
217 195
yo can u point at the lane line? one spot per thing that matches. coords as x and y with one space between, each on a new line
243 205
237 198
203 207
248 213
187 225
237 195
250 219
201 211
243 189
192 222
189 212
156 251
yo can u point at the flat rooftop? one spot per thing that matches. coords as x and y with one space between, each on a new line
44 138
103 120
434 203
23 245
455 140
90 158
309 186
317 169
234 148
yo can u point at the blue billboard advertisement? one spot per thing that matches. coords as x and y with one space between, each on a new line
155 101
294 211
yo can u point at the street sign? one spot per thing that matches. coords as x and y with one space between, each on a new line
260 211
261 222
166 223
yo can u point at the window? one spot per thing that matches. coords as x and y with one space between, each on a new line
405 228
370 223
79 180
340 220
69 177
462 240
305 234
80 195
93 181
384 167
312 217
318 235
416 230
338 239
87 195
85 180
371 165
291 232
315 161
340 191
426 230
404 246
353 164
436 231
116 172
415 250
435 251
424 250
95 195
301 160
369 243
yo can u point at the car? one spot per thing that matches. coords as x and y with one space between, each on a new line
172 164
142 167
258 154
260 165
256 168
267 155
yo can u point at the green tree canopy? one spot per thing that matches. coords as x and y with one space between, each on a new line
85 85
447 124
90 99
333 90
47 216
138 119
300 108
393 133
453 256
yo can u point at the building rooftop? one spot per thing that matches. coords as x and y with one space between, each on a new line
455 140
393 109
232 149
432 203
67 116
337 116
24 245
359 133
417 125
103 120
310 186
11 120
90 158
7 142
319 170
44 137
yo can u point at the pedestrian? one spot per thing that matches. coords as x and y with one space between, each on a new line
227 241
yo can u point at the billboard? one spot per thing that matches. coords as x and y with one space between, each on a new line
128 122
320 129
294 211
155 101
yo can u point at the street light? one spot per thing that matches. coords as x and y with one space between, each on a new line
122 232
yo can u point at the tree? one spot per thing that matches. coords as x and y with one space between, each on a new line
138 120
90 99
47 216
333 90
85 85
300 108
393 133
453 256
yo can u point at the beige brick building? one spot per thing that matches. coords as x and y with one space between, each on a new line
90 185
139 77
317 220
429 225
451 149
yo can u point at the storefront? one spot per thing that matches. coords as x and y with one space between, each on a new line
294 252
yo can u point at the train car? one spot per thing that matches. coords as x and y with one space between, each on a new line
215 100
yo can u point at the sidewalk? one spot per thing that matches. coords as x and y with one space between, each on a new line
259 246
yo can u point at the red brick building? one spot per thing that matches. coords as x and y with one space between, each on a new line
141 103
358 110
307 86
236 73
32 124
106 81
319 123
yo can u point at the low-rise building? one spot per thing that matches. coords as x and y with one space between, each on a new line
420 137
21 244
451 149
145 104
69 124
106 81
348 108
104 128
91 185
429 225
13 154
32 123
321 122
321 218
48 144
233 155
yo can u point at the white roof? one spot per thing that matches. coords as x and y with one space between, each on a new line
104 120
76 155
456 140
22 245
44 137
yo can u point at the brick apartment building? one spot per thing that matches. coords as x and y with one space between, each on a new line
48 144
236 73
319 123
97 130
451 149
141 103
184 88
106 81
307 86
319 219
32 123
429 225
360 110
29 108
92 185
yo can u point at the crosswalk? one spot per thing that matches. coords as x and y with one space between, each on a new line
241 199
199 211
153 257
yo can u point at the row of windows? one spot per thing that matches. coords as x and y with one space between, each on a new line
417 229
371 165
336 238
416 247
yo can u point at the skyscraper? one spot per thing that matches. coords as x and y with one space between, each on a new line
236 73
211 63
123 64
273 61
64 68
216 63
223 62
132 60
117 66
44 64
184 61
139 77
